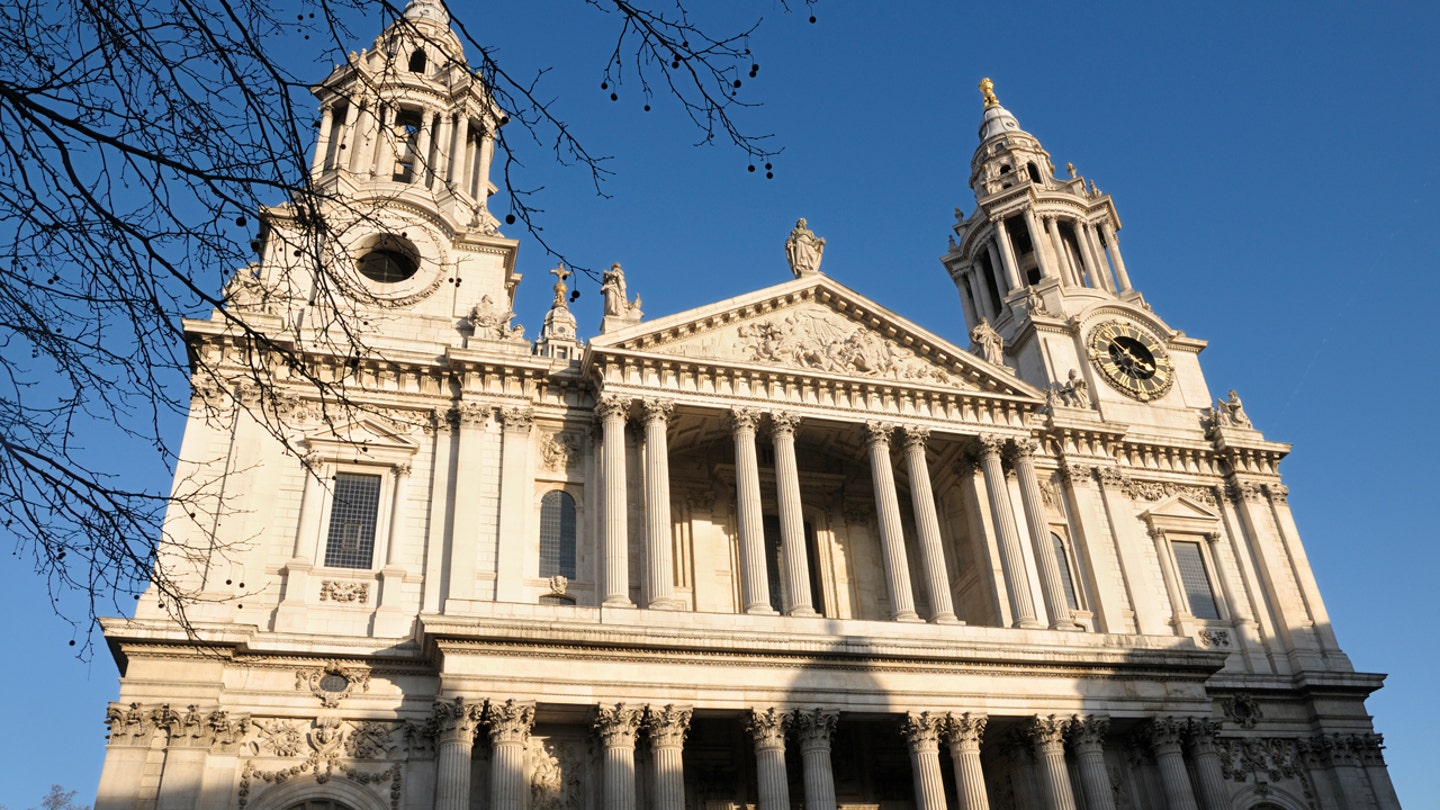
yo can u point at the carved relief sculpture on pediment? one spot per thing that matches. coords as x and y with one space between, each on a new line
560 452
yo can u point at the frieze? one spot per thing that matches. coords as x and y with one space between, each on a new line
1210 637
332 682
1155 490
822 342
330 741
1275 758
560 452
345 591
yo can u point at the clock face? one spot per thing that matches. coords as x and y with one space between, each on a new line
1131 360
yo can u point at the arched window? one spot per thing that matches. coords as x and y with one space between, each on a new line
1067 577
417 61
557 535
1034 172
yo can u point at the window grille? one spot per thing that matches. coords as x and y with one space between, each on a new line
557 535
1195 580
351 539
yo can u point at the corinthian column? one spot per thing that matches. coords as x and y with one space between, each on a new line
815 728
659 576
798 599
754 577
1012 558
767 728
922 732
510 724
666 728
618 725
1047 734
1087 737
1214 795
1165 735
455 722
927 525
615 540
1055 602
964 732
892 537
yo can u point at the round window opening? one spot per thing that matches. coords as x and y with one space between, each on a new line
388 264
334 683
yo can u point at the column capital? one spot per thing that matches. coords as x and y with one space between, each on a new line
511 721
965 729
1078 474
991 445
878 433
1166 732
613 406
667 725
743 419
457 719
916 436
814 727
517 419
1046 731
657 410
472 413
1202 735
783 422
1024 448
618 725
922 730
1088 731
401 470
130 726
767 727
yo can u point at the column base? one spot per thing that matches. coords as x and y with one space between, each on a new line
1069 627
762 610
1029 624
947 618
666 604
617 602
907 616
803 613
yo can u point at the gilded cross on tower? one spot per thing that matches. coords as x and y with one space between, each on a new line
560 274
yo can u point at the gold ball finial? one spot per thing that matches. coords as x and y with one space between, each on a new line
987 88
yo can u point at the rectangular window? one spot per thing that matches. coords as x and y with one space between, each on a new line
350 542
1195 580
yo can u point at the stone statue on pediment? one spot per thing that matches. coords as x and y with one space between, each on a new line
988 343
804 250
1235 410
492 322
617 302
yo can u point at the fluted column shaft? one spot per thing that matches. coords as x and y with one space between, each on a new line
618 726
767 727
1007 255
1214 794
1012 558
1038 243
922 732
798 599
1050 580
964 732
892 537
927 526
456 722
992 250
754 577
666 728
1047 734
455 172
815 729
510 723
1087 737
1099 268
615 540
1113 241
1165 737
1057 243
659 573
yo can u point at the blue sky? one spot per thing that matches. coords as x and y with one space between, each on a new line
1275 173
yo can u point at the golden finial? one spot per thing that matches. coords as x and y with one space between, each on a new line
987 87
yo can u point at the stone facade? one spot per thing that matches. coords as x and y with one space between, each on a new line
788 548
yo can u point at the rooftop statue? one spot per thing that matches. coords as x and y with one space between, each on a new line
804 250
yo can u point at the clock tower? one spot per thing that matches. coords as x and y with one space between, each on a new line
1039 262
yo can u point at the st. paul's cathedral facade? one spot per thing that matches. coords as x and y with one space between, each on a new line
788 549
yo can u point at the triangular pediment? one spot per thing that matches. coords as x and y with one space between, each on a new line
1180 513
814 325
363 440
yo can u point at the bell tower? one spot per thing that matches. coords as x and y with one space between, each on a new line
1038 262
399 232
